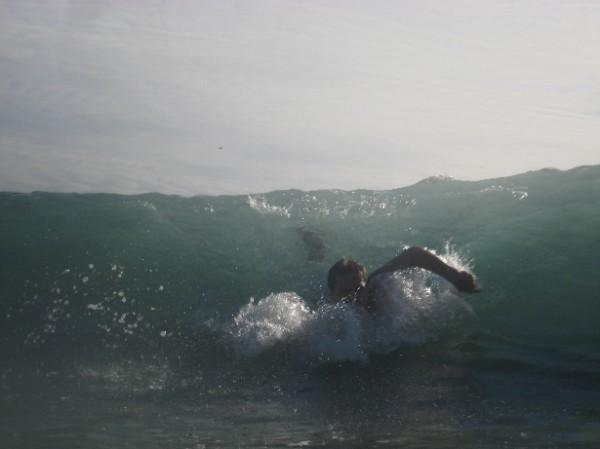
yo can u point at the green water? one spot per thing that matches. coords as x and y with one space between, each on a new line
117 318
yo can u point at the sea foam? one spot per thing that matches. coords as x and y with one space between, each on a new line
413 307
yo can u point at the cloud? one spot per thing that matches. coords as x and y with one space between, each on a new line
131 97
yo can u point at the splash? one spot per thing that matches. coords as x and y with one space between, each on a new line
414 307
331 332
278 317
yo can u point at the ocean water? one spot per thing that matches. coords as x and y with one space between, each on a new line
156 321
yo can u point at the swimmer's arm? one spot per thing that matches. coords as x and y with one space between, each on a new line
421 258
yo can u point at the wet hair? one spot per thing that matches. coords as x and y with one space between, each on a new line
343 267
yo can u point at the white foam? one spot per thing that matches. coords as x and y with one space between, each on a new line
259 326
264 208
414 307
332 332
519 193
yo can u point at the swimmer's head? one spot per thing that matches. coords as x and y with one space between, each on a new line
345 278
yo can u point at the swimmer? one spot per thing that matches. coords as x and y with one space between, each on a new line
348 281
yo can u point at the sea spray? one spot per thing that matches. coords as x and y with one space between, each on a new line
413 307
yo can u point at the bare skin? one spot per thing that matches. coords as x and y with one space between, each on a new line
356 288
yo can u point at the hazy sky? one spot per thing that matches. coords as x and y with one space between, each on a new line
218 96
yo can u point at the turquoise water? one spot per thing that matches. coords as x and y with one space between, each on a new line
162 321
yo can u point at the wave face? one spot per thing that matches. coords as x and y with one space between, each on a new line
246 273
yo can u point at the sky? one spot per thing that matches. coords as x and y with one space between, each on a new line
234 97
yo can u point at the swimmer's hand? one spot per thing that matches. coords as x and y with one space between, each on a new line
465 282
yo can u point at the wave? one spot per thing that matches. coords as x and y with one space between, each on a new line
151 271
